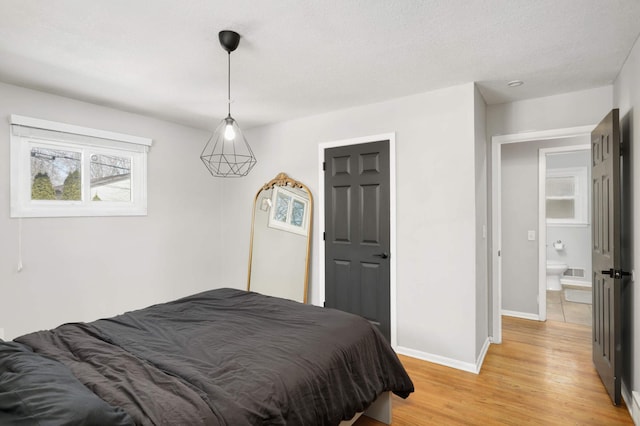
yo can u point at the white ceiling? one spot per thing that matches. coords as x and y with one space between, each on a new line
297 58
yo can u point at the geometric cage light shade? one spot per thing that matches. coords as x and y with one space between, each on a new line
227 153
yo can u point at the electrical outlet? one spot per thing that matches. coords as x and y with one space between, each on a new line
531 235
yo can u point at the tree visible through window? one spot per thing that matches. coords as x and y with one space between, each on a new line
51 167
41 188
71 189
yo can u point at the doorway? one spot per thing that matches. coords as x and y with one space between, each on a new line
551 137
564 201
322 206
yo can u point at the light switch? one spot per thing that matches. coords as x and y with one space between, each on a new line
531 235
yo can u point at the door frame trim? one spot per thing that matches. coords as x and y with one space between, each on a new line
496 206
320 294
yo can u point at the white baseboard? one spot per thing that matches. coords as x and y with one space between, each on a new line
627 397
632 401
483 353
447 362
524 315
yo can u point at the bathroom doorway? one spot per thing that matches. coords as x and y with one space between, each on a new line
564 212
516 265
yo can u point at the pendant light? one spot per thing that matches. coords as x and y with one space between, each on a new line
227 153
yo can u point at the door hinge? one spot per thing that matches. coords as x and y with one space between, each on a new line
498 253
324 304
324 166
324 236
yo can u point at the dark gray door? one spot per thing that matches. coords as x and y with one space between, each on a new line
607 273
357 231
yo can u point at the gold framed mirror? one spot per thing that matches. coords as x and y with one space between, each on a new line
281 239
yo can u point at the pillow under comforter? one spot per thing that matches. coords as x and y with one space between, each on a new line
35 390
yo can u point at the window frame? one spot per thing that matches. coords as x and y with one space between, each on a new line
286 225
581 201
27 132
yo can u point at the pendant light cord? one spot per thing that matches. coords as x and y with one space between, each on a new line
229 83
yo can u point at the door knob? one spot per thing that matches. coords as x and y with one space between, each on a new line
382 255
615 273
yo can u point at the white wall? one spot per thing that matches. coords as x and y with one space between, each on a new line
436 219
626 92
482 290
551 112
577 248
80 269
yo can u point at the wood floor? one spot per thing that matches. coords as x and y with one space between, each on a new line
542 374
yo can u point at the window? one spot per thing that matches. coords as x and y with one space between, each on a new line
289 212
63 170
566 196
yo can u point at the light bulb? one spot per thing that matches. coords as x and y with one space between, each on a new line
229 132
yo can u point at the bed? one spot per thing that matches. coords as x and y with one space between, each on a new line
221 357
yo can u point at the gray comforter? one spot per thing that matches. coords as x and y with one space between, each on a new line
229 357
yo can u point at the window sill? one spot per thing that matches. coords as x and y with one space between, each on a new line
568 224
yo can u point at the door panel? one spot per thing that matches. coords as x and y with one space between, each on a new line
370 282
341 276
357 231
370 202
341 215
606 253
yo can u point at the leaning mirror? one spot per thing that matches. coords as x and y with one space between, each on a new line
281 239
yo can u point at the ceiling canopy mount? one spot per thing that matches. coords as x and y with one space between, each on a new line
229 40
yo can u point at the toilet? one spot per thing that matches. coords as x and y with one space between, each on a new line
555 270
